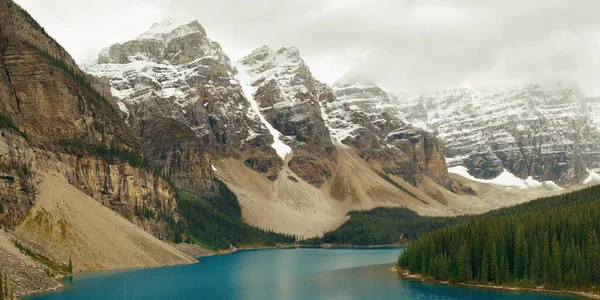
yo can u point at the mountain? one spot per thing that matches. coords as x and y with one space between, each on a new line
164 138
297 153
262 125
173 79
546 133
367 119
65 153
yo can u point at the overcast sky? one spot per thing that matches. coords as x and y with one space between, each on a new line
403 45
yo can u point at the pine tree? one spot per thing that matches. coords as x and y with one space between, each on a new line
555 273
1 286
494 268
70 266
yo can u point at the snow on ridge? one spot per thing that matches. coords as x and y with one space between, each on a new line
161 29
281 66
245 81
506 178
593 178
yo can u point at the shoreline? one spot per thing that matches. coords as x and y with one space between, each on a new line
232 250
408 275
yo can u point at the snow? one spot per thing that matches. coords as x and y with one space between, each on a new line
304 90
469 121
213 168
123 108
281 66
593 178
506 178
245 80
159 30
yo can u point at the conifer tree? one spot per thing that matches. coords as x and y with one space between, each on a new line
494 268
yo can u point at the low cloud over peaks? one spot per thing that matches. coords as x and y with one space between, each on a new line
403 45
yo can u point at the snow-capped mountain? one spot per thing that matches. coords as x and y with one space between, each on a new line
549 134
363 116
178 91
298 154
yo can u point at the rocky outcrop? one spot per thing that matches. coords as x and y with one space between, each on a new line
547 133
362 116
18 166
288 97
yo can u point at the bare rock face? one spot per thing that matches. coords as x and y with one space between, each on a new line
363 116
17 178
178 92
288 97
62 123
549 133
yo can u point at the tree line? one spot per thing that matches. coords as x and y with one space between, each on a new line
551 242
215 222
382 226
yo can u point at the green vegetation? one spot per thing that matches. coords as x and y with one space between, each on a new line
552 242
225 201
80 79
6 122
5 292
105 152
215 222
53 267
382 226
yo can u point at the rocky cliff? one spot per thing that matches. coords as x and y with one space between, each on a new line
363 116
547 133
53 118
177 91
287 97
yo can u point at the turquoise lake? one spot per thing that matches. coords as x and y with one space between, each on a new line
275 274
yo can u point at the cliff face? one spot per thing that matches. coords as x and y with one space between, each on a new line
362 116
287 96
62 123
177 90
546 133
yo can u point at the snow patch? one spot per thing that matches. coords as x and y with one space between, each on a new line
213 168
506 178
123 108
593 178
245 80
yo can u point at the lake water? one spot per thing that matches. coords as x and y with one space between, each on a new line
276 274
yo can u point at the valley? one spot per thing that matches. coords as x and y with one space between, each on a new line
161 149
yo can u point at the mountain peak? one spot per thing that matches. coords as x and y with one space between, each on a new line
354 79
159 30
265 52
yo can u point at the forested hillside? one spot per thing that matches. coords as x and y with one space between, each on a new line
551 242
383 226
215 222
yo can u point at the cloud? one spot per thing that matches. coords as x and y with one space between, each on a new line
408 45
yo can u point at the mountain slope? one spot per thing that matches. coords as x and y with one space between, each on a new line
547 133
237 119
73 226
551 242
